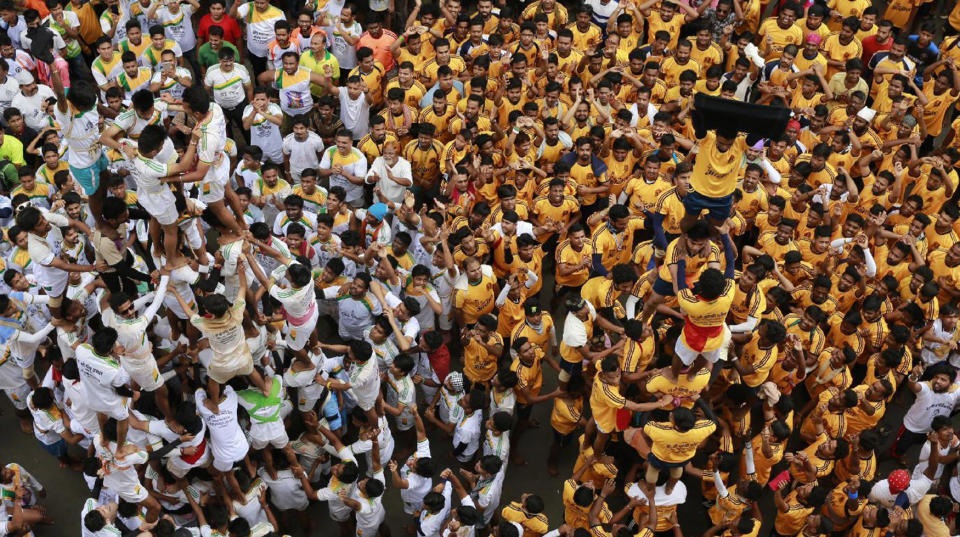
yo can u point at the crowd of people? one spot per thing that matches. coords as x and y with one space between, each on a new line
257 257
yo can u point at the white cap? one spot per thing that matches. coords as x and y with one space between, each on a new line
24 77
867 114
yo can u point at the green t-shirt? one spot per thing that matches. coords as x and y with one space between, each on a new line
12 149
208 57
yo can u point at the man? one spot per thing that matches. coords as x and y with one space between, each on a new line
355 102
43 243
133 76
934 397
106 66
229 29
706 305
213 164
231 85
67 25
316 59
260 19
378 40
208 54
32 102
295 84
357 306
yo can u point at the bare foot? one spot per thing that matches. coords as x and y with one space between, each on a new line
26 427
518 460
553 470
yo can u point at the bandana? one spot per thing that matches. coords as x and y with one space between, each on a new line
898 481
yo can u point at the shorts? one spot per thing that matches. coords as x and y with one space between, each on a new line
298 336
661 465
116 409
89 178
58 449
55 291
192 234
221 373
717 208
563 440
524 411
339 513
279 442
688 355
663 287
569 370
161 205
214 183
137 495
144 372
222 465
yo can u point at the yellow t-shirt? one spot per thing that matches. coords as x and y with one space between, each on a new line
477 299
715 173
478 364
672 446
605 401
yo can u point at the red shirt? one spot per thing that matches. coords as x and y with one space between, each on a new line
871 47
231 29
440 362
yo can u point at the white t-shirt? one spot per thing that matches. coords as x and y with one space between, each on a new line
228 88
286 491
371 513
170 86
356 165
266 134
365 382
260 31
99 377
923 460
602 12
81 133
467 432
227 441
927 406
32 107
354 315
345 52
47 424
430 523
9 89
355 113
302 154
574 330
391 189
107 531
178 26
419 486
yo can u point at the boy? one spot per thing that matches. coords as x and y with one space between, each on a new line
51 164
152 192
249 170
39 193
314 196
